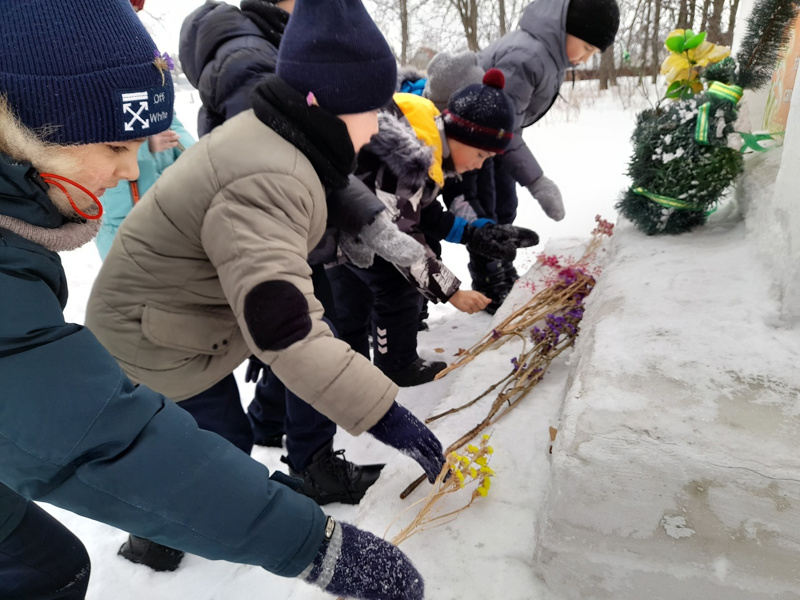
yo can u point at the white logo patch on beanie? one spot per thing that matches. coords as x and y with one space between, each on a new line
142 109
136 111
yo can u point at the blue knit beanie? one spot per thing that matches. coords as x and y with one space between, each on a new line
481 115
83 71
333 49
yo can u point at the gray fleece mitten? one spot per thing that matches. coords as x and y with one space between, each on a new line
381 237
548 196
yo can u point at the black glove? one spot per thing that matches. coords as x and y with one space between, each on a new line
356 564
400 429
253 373
498 241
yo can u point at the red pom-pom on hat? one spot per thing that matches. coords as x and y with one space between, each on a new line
495 79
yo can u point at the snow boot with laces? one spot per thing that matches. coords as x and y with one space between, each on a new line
417 373
149 553
329 477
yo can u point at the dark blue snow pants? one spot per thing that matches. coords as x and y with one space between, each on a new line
41 559
275 409
380 301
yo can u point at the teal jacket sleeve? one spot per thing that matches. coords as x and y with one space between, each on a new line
77 433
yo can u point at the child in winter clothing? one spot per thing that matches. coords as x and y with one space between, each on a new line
226 52
85 437
406 163
553 35
158 153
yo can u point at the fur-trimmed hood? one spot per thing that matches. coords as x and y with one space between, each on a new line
396 145
408 73
28 207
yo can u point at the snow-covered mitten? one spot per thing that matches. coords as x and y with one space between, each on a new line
547 194
356 564
498 241
381 237
400 429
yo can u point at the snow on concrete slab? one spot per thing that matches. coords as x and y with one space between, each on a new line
675 472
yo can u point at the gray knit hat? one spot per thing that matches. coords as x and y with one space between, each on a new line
448 73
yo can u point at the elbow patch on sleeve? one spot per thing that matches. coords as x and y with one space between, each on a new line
276 313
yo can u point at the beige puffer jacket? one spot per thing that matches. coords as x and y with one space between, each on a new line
239 210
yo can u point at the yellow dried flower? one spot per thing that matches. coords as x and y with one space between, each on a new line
489 450
486 436
473 449
473 473
487 470
482 461
482 491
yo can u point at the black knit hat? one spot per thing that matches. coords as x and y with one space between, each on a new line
333 49
84 71
593 21
481 114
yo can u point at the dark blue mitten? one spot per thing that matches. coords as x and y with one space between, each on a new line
400 429
356 564
253 372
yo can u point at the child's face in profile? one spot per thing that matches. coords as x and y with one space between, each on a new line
102 166
578 51
467 158
361 127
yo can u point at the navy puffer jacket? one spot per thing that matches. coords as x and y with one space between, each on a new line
226 51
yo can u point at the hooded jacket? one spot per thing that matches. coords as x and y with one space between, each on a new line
534 60
403 164
212 267
226 51
118 202
77 433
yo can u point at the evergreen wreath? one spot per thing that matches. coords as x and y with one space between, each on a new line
682 162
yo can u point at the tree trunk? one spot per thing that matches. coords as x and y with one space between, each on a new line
683 15
704 22
501 9
714 25
607 73
692 11
731 22
468 13
403 6
648 39
656 39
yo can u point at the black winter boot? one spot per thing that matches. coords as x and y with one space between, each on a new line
329 477
490 278
417 373
147 552
511 274
423 315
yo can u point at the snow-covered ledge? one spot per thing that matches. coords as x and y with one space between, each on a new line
768 192
675 472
